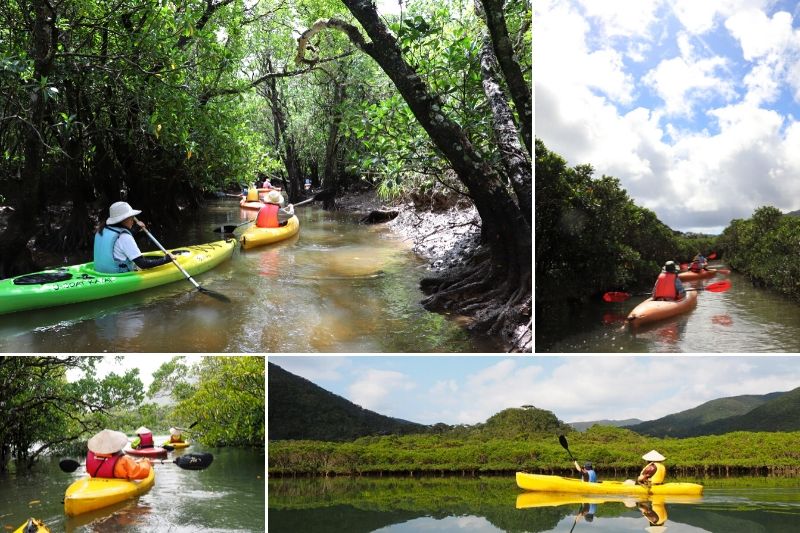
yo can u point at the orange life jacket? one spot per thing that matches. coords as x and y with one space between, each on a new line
665 287
101 465
268 216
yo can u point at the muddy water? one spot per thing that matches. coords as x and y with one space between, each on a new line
335 287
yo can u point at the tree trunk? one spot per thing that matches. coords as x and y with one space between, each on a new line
15 257
504 50
283 139
330 174
496 287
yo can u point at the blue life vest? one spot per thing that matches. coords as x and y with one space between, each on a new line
104 251
592 475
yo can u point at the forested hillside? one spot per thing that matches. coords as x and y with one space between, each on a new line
299 409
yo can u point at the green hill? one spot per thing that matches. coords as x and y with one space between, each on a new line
689 423
583 426
298 409
781 413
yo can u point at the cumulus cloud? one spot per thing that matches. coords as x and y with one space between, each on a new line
374 388
695 129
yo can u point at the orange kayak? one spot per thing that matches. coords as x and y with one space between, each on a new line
692 276
244 204
652 311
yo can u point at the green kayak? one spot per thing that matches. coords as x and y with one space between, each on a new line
81 283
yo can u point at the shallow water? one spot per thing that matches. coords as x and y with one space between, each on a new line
335 287
227 497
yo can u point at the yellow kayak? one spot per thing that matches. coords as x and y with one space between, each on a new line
88 493
527 500
33 526
544 483
255 236
177 445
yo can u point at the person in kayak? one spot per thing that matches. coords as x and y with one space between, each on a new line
115 249
105 457
272 215
587 472
699 263
144 439
668 285
655 471
175 435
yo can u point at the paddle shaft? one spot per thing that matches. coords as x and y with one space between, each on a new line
155 241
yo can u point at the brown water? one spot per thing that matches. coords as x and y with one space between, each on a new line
744 319
335 287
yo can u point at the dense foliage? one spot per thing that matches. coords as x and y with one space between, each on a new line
43 412
299 409
764 248
615 452
592 238
221 397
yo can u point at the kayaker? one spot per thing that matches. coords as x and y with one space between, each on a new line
699 263
272 215
144 439
175 436
106 459
115 249
655 471
668 286
587 472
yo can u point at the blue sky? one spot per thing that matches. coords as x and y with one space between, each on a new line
693 105
469 389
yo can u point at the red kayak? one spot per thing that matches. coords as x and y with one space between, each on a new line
156 451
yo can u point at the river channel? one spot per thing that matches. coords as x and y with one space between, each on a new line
495 504
227 497
337 286
742 319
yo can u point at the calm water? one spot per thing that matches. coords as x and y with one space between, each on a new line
227 497
743 319
335 287
495 504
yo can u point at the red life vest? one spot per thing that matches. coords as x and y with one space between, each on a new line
268 216
146 441
174 438
101 465
665 287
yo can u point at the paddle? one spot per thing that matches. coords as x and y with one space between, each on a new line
218 296
564 444
712 255
720 286
190 461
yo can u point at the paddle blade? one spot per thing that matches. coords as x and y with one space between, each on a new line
168 447
720 286
214 294
616 296
225 229
723 271
68 465
193 424
194 461
712 255
563 440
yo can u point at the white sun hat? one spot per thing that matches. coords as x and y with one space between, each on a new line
107 441
174 431
274 197
119 211
653 455
142 430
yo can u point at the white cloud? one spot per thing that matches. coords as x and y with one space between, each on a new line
373 389
623 17
759 35
682 82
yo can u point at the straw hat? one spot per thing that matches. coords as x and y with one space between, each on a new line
274 197
653 455
174 431
107 441
142 430
119 211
